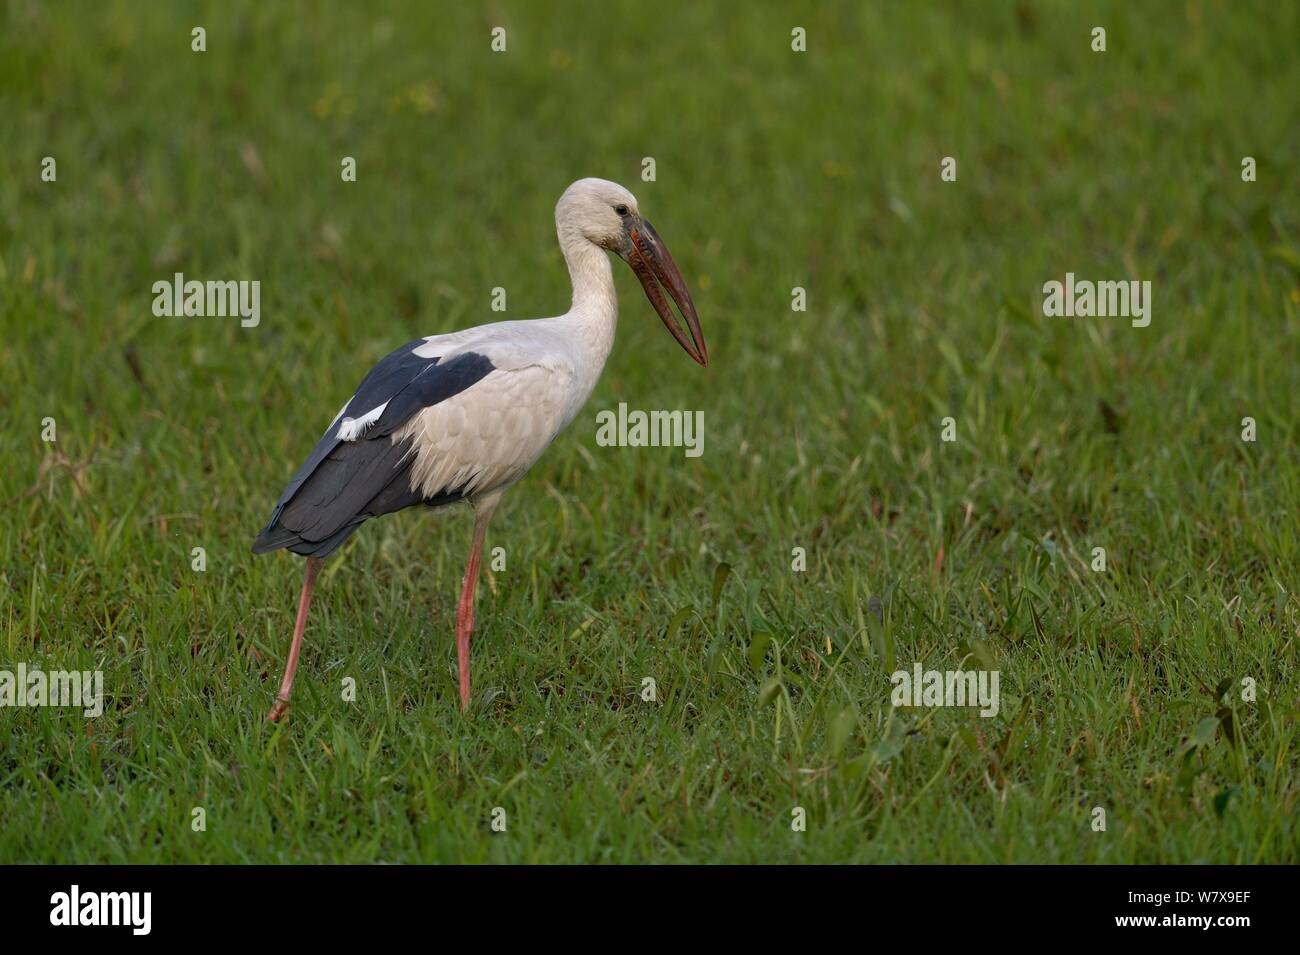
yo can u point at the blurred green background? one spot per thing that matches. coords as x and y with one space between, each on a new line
1120 689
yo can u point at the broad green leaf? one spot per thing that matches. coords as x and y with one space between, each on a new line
679 618
758 645
841 726
719 580
1203 735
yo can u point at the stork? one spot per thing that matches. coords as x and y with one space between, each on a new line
463 416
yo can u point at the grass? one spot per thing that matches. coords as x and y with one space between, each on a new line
1120 689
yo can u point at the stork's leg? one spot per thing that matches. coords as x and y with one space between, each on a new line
465 611
308 582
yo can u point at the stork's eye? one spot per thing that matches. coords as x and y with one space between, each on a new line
621 209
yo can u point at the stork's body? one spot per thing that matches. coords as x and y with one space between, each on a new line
462 416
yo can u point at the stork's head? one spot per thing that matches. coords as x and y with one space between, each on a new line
606 214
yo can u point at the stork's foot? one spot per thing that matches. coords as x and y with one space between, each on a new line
483 509
291 665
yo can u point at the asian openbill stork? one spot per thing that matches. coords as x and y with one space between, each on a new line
462 416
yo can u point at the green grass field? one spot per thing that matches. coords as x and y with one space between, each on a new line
1120 689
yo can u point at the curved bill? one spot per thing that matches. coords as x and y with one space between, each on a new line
657 271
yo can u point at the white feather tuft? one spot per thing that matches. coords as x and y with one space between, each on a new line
353 428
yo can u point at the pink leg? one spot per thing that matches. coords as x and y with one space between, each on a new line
465 610
308 582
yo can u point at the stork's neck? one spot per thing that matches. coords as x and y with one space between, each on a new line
595 304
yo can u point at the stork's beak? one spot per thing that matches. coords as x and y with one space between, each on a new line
657 271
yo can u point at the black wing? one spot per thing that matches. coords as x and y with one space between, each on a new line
344 483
